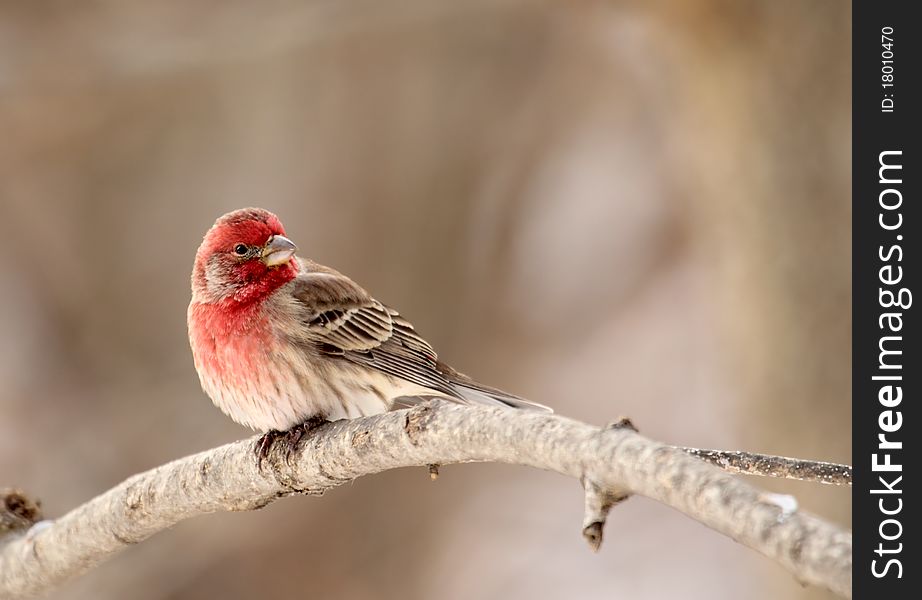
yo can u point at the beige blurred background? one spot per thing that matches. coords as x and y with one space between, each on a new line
614 208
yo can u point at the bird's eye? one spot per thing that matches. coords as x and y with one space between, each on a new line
241 249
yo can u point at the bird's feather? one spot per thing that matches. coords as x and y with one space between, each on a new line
343 321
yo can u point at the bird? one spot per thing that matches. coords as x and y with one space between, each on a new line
282 344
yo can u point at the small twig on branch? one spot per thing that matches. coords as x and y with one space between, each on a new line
611 462
599 503
600 500
767 465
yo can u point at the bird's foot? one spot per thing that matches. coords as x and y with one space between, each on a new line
264 444
292 437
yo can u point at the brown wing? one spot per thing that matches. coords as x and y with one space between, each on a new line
344 321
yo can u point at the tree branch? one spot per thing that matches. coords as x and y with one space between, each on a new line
767 465
611 463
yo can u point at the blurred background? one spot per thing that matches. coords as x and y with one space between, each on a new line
613 208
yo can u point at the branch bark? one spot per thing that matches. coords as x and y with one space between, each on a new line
782 467
610 462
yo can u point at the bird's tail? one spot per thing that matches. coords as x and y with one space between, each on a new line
477 393
458 387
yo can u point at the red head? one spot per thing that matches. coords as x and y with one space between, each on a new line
244 257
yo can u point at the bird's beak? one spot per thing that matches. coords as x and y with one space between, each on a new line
278 251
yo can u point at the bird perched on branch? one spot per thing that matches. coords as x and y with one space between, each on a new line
281 343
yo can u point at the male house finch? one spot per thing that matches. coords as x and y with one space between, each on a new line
280 341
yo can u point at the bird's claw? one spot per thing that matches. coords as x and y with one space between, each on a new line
292 437
264 444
